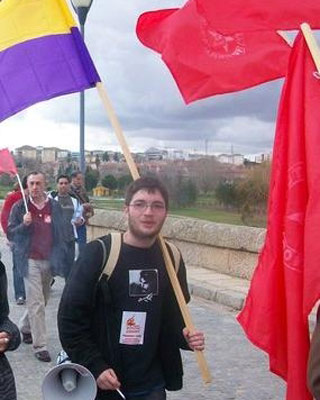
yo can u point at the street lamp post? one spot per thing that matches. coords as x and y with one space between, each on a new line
82 8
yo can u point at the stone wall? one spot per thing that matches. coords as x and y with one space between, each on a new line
227 249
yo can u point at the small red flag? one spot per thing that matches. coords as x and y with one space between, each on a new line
286 282
251 15
7 164
205 62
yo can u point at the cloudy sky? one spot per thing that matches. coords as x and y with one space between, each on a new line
145 98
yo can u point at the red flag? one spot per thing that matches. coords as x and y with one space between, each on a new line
204 62
286 282
7 164
230 16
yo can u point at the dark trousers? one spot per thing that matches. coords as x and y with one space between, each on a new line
7 383
18 282
159 394
82 236
69 258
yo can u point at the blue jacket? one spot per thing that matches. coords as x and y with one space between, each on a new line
20 235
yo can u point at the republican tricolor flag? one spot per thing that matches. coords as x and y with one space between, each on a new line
42 54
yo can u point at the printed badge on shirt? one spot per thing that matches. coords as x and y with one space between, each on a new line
144 284
47 219
132 327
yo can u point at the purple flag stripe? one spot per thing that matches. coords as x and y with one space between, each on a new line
43 68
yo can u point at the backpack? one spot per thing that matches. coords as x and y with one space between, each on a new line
109 262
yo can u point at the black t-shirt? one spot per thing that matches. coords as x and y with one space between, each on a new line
138 287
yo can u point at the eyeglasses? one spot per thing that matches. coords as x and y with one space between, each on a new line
140 206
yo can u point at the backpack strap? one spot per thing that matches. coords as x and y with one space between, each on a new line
176 255
109 263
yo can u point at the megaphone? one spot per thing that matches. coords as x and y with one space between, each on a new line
69 381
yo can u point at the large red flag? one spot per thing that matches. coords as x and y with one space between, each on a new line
7 164
204 62
230 16
286 282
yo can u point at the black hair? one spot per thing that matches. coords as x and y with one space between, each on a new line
24 182
64 176
35 173
148 183
75 174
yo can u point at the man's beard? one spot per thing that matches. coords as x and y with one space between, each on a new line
143 235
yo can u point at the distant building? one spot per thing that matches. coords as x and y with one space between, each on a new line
63 154
154 154
234 159
49 154
260 158
26 152
101 191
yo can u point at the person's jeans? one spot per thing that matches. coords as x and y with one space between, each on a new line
18 282
82 236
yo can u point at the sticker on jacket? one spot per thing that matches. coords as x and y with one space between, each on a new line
143 283
132 327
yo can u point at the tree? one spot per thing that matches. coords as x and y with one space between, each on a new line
226 193
124 181
116 157
91 178
97 162
187 193
110 182
105 156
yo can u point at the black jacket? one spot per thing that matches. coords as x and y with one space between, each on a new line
20 235
86 325
7 387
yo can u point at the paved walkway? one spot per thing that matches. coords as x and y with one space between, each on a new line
206 284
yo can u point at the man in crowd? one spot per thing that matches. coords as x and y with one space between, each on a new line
129 340
39 240
78 190
72 215
10 200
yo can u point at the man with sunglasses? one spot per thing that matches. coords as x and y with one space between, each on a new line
127 328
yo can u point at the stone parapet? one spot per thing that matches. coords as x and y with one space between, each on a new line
226 249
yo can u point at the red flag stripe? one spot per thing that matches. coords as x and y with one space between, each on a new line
7 164
286 282
205 62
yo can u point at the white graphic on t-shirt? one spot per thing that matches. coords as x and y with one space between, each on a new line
132 327
143 283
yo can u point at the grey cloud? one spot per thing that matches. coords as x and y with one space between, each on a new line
146 98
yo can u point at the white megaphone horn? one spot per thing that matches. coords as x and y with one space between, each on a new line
69 381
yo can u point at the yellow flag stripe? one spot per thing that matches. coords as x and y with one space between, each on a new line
22 20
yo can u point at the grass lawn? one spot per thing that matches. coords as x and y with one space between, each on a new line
213 215
224 217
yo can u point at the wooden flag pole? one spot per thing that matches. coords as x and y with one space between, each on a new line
23 193
312 44
170 268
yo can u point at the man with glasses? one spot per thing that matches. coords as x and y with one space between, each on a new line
127 328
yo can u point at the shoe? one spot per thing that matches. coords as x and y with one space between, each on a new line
43 356
21 301
26 338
